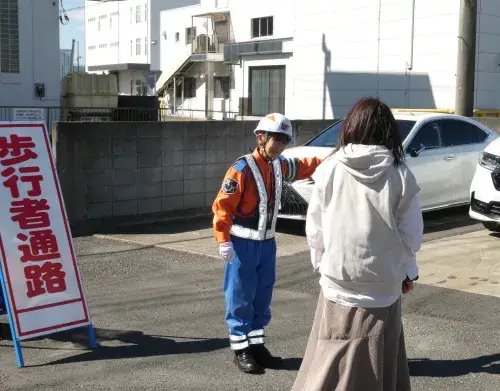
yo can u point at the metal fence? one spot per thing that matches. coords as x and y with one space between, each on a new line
93 114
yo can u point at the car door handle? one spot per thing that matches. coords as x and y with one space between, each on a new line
449 157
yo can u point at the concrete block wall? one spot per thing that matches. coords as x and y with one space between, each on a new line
116 170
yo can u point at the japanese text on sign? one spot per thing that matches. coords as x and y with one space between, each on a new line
43 272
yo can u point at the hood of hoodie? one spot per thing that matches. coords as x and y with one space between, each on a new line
367 163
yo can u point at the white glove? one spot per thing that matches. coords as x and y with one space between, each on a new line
226 251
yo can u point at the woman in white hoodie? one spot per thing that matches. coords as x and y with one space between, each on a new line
364 227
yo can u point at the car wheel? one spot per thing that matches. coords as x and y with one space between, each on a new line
492 226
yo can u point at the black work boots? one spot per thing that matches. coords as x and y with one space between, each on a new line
245 361
264 357
255 358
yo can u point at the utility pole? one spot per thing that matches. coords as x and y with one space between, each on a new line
72 56
466 59
78 56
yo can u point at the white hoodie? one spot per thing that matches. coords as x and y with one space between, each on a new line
364 226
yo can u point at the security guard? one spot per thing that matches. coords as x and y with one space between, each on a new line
245 214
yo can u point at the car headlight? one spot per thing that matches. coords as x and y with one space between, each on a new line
489 161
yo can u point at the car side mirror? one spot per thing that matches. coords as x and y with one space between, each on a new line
415 152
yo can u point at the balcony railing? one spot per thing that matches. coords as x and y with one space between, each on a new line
208 43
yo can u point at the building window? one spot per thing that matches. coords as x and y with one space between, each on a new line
189 88
146 46
138 47
131 13
146 12
9 36
262 27
221 87
177 37
131 48
141 88
190 34
267 90
137 14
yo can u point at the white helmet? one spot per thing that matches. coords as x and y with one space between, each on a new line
275 123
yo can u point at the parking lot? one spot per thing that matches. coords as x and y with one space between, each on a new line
155 297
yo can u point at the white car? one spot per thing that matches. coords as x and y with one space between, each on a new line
485 188
441 150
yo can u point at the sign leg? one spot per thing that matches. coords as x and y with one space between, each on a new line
17 348
17 344
92 338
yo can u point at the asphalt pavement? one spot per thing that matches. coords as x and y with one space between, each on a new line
159 318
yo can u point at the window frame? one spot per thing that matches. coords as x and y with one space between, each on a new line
10 64
269 20
190 34
422 126
138 13
138 46
466 123
251 109
190 92
223 91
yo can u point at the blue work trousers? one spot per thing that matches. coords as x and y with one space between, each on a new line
248 289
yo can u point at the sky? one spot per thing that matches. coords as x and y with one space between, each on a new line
75 28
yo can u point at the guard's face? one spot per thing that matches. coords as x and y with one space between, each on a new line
275 145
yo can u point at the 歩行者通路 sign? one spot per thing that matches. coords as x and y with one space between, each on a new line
40 274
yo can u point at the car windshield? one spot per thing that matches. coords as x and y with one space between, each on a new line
328 138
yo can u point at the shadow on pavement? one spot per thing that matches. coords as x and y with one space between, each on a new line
453 368
135 344
448 219
122 344
290 364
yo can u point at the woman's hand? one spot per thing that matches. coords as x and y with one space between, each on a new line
407 286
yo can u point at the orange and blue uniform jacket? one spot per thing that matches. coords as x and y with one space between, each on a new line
239 199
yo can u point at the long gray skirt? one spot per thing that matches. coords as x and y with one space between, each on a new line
355 349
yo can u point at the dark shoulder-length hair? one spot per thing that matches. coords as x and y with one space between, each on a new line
370 122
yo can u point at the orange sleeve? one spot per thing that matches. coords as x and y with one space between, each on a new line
226 203
299 168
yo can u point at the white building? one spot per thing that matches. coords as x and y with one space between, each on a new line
245 45
121 37
29 56
314 59
337 61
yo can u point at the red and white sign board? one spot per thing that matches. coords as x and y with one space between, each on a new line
38 261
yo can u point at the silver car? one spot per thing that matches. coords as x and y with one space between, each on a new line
441 150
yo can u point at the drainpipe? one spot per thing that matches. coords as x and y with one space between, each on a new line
466 59
378 44
174 111
409 65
